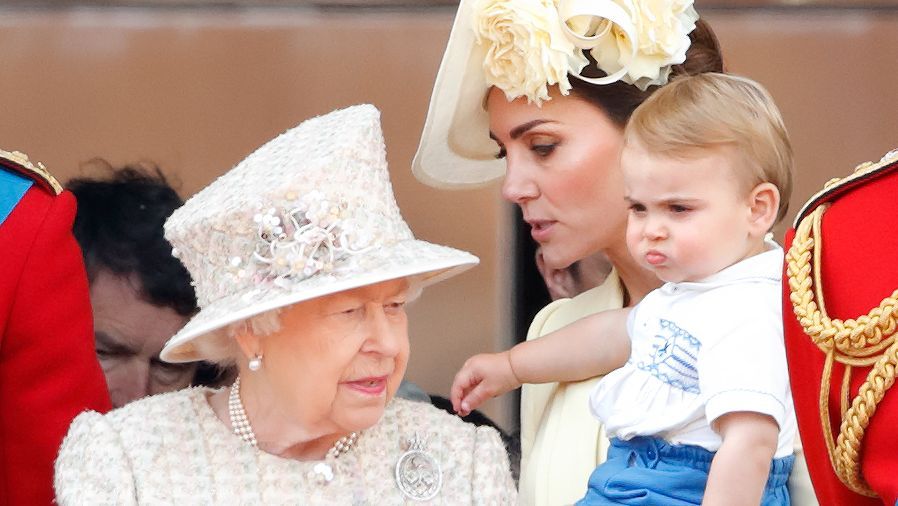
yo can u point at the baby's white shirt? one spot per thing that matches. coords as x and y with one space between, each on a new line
701 350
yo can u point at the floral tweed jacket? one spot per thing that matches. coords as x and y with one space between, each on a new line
172 449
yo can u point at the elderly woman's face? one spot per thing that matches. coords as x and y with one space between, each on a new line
338 359
563 171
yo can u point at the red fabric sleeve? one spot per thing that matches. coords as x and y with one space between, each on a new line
859 251
48 368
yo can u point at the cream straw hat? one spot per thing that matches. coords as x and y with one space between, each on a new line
308 214
524 46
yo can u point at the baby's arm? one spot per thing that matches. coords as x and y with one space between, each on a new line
591 346
740 467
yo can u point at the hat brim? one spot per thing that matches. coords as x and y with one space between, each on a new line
455 150
430 263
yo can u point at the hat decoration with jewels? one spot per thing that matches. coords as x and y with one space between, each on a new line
308 214
523 47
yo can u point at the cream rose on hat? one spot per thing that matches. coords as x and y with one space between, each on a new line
526 47
523 47
659 39
530 44
310 213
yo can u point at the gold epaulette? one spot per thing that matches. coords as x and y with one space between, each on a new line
19 162
836 186
867 340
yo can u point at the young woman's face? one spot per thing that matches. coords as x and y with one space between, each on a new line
563 171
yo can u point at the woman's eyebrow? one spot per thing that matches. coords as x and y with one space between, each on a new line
520 130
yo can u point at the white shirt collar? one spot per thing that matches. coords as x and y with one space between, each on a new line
766 266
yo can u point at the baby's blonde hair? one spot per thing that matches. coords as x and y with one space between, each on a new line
710 110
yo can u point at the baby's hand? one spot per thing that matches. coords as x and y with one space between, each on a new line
482 377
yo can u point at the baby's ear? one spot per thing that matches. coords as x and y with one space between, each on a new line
764 202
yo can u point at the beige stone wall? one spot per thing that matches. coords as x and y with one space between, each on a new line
197 90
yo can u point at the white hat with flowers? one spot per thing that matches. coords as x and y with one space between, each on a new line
310 213
524 46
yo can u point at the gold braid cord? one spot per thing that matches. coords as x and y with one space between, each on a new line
868 340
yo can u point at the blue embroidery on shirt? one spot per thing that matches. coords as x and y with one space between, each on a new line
674 357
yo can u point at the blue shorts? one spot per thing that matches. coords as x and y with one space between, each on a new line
649 471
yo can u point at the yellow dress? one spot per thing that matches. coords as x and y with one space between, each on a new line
561 442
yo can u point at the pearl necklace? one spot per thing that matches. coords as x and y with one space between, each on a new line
244 430
239 421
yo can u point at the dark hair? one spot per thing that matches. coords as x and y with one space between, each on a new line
119 228
620 99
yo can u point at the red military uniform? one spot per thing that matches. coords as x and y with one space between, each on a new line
840 314
48 368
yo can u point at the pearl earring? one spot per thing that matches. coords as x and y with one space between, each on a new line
255 363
